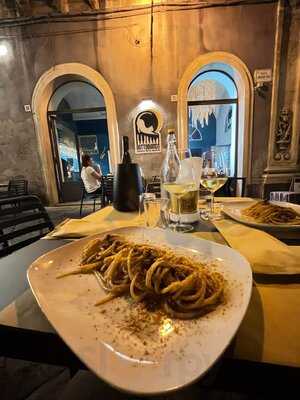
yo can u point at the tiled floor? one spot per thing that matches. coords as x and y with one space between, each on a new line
59 213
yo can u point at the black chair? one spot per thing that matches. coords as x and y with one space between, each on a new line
153 187
23 220
90 196
107 189
16 187
231 186
155 178
19 187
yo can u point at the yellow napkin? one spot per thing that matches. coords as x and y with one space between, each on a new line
100 221
266 254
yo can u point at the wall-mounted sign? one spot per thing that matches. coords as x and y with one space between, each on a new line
262 75
147 128
88 144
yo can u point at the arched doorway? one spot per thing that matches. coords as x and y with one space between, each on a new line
78 125
219 86
42 94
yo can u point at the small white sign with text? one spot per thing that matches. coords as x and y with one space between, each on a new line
262 75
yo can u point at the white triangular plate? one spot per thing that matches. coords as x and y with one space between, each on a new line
150 361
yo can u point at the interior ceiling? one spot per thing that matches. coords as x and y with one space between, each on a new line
79 95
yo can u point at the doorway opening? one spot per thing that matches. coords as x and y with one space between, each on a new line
213 116
77 125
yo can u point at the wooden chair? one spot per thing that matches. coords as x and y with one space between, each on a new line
23 220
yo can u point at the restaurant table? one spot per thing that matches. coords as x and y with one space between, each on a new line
265 351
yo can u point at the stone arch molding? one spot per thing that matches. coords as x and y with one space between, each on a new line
40 100
244 83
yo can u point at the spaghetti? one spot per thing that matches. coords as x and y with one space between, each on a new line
269 213
184 288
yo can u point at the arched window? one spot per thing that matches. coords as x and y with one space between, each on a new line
233 81
212 115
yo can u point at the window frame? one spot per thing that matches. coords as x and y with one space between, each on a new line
234 100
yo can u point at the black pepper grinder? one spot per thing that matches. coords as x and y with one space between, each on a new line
128 183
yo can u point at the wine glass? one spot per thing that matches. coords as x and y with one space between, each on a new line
180 180
214 175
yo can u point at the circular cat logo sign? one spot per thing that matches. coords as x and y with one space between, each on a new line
147 127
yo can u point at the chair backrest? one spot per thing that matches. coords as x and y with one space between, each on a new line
295 185
23 220
153 187
19 187
107 187
155 178
231 187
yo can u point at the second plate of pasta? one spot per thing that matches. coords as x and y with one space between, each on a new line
281 219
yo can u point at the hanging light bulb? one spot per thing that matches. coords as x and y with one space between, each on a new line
3 50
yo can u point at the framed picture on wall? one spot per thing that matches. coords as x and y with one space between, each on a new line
147 132
88 144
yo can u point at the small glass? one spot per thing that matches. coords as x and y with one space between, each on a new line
150 208
218 208
165 206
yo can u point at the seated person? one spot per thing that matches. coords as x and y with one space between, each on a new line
90 176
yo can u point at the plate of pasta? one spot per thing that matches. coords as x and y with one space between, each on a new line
271 216
147 310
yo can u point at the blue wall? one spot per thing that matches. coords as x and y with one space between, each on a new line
207 133
96 127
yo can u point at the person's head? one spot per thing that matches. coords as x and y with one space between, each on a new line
86 160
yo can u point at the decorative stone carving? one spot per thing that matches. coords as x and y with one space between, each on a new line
94 4
61 6
283 137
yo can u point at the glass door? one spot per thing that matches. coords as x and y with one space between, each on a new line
65 157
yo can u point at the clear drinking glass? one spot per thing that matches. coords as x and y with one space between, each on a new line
181 182
150 208
165 206
214 176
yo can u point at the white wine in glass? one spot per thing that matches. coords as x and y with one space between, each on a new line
214 174
213 183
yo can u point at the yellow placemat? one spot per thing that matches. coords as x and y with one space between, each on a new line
100 221
266 254
270 330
